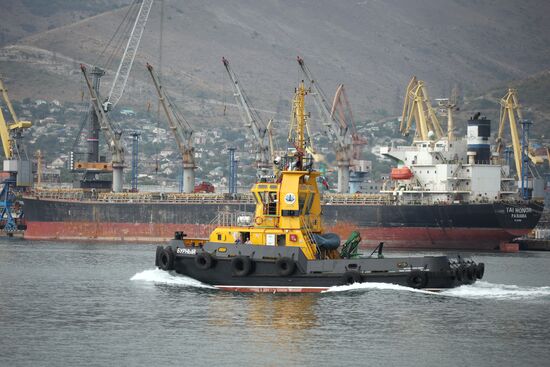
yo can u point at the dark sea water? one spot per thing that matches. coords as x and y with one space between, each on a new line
76 304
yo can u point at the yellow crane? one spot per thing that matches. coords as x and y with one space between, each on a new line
16 161
509 110
417 106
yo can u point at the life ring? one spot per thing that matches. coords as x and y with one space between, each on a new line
417 279
241 266
259 220
166 259
159 250
480 270
285 266
204 261
351 277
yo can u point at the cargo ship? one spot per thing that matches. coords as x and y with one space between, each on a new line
444 194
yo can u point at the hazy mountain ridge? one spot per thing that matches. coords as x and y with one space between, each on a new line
371 46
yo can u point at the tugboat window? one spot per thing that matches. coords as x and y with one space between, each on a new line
269 199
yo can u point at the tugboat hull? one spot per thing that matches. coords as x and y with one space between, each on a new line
248 268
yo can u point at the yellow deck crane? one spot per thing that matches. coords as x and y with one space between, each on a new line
16 163
337 131
509 110
252 120
182 131
417 106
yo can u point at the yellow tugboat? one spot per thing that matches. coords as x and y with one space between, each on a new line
284 248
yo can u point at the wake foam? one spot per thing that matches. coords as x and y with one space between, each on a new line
163 277
486 290
375 286
478 290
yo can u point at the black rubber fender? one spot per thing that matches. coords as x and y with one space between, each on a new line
285 266
204 261
480 270
458 273
352 276
159 250
166 259
471 272
417 279
241 266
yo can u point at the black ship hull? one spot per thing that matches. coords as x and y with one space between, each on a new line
480 226
255 269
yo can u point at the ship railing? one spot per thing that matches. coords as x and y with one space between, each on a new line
358 199
59 194
310 241
229 218
139 197
174 198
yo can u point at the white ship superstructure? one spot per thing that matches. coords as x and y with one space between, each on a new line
456 171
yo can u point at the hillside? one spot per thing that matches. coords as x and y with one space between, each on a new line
534 98
371 46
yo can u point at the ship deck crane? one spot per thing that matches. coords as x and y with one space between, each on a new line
337 132
509 110
16 163
417 106
252 120
111 132
182 132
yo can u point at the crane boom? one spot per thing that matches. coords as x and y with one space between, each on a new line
417 106
182 132
509 108
251 120
125 65
111 133
337 132
341 110
10 132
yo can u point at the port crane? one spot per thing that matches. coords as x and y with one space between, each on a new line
182 132
417 106
98 120
112 134
16 163
252 120
341 110
337 131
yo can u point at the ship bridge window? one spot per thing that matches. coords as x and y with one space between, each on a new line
269 201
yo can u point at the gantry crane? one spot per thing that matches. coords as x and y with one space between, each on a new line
417 106
93 166
182 132
252 120
337 131
111 132
16 163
